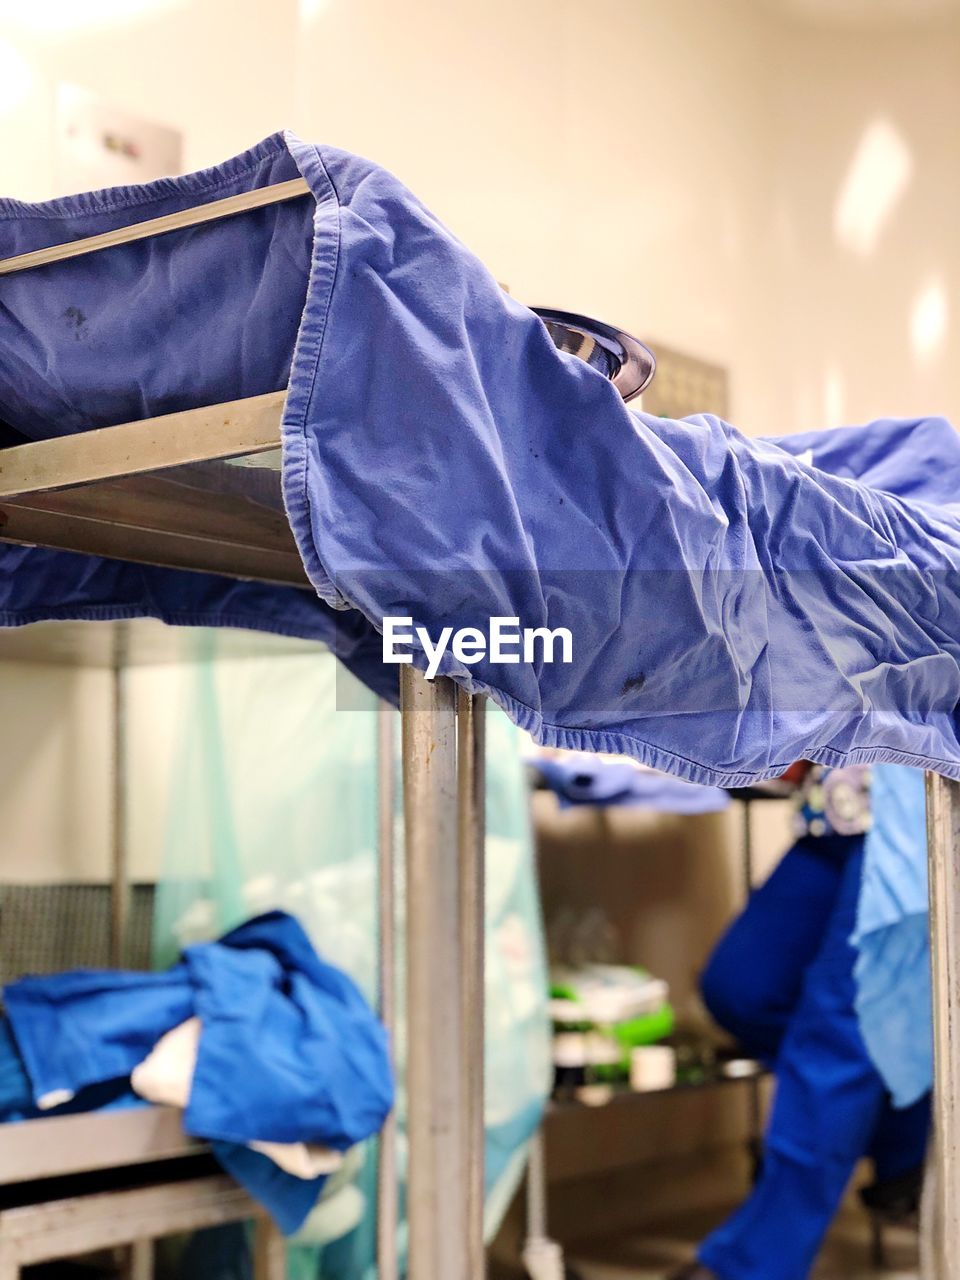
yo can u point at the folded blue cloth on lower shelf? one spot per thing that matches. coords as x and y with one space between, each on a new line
289 1051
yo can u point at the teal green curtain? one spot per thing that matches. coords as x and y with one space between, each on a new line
273 804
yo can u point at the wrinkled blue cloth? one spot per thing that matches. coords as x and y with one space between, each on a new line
582 778
892 972
289 1051
732 608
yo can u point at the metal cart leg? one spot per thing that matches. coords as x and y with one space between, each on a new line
471 847
387 1199
119 870
141 1260
542 1257
755 1099
269 1252
943 852
444 823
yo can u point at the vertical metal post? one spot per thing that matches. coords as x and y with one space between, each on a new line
536 1189
755 1102
269 1251
542 1257
471 799
437 1194
943 851
746 851
119 872
387 1198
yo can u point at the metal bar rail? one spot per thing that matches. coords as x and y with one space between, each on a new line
442 735
942 1252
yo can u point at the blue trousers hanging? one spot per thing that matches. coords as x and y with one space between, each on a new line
781 981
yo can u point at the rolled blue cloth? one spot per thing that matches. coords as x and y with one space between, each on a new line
580 778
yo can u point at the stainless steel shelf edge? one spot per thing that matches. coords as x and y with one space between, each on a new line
55 1146
128 493
232 429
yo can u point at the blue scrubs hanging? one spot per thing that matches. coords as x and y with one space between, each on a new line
732 608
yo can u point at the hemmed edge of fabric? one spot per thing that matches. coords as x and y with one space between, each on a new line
305 366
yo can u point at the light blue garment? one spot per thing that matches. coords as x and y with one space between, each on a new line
732 609
893 966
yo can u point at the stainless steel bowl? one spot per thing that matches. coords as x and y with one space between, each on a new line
628 364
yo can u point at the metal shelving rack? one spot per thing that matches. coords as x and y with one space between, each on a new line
168 491
143 492
83 493
163 491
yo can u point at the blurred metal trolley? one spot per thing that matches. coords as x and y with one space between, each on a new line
201 490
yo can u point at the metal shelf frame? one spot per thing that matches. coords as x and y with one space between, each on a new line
77 493
154 492
144 492
442 763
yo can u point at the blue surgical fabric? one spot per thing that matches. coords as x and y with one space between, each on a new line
289 1049
732 607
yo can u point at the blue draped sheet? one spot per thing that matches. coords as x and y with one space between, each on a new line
733 608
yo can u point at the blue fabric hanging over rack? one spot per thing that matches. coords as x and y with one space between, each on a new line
732 607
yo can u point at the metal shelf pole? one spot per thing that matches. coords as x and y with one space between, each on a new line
444 828
119 869
387 1198
471 796
943 850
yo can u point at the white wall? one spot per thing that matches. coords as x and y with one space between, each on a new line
55 753
862 288
674 165
610 158
219 70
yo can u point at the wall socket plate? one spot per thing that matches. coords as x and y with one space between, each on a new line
99 145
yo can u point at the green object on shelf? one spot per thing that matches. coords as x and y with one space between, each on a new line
647 1029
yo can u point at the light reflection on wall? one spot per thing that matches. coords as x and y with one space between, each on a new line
929 321
834 397
16 78
61 17
311 10
878 176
